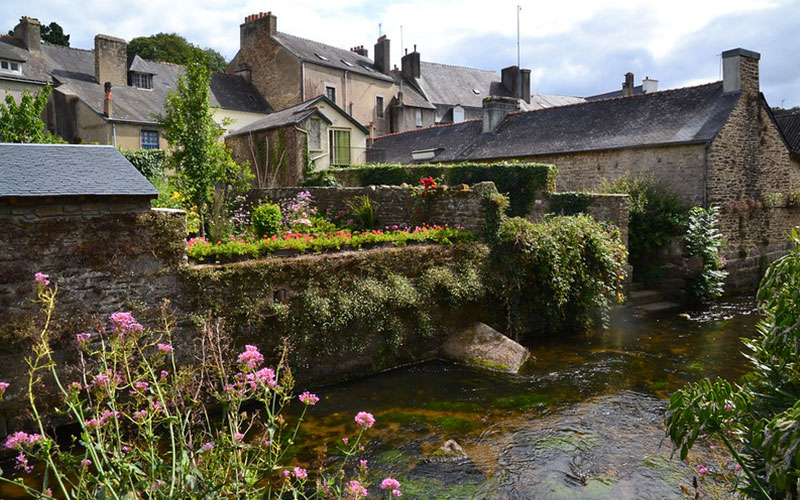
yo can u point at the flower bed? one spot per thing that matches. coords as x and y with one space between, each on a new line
243 248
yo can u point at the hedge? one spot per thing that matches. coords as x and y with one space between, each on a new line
521 181
150 162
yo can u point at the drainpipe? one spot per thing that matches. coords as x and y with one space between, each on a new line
302 81
345 93
114 134
705 175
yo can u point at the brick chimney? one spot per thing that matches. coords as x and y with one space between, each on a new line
410 64
495 110
30 31
649 86
740 71
111 60
382 55
257 27
107 102
517 82
360 50
627 87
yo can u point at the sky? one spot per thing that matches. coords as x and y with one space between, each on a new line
572 47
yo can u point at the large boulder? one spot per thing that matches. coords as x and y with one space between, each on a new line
481 345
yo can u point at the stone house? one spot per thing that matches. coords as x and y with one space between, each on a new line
717 143
315 135
20 68
102 96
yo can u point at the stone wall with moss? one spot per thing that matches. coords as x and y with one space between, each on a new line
346 314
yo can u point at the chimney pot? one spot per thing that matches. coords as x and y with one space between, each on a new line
740 71
107 102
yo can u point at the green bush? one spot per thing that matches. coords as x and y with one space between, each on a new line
562 273
656 216
267 219
521 181
704 240
759 420
150 162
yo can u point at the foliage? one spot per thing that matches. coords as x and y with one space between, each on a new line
656 216
173 48
240 249
200 161
572 203
23 122
704 240
150 162
777 110
267 219
321 178
561 273
361 208
170 197
523 182
54 33
145 426
759 420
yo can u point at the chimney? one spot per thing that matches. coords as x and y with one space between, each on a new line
649 86
360 50
740 71
382 55
495 110
410 64
111 60
256 28
517 82
30 31
627 87
107 103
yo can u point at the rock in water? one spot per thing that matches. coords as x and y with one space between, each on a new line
482 345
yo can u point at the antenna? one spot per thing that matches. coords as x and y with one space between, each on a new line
518 9
380 31
519 68
401 38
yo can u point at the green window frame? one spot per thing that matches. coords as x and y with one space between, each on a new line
340 147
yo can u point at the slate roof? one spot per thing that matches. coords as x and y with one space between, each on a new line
74 70
452 85
295 115
38 170
334 57
540 101
638 89
34 69
687 115
411 96
790 127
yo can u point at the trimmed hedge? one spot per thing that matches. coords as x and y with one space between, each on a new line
521 181
150 162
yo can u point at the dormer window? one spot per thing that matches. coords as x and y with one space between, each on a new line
141 80
10 66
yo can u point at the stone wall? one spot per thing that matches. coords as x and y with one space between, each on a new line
277 157
396 205
36 208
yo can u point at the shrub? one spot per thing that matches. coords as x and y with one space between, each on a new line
361 207
759 420
150 162
267 219
561 273
656 216
704 240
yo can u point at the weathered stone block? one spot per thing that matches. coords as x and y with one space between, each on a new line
483 346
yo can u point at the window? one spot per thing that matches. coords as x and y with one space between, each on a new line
142 80
330 93
418 117
149 139
378 106
458 114
314 134
10 66
340 147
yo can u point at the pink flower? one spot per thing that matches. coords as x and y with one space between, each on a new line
345 440
41 279
100 380
165 349
701 470
108 415
238 436
396 493
737 467
207 447
20 439
74 386
362 464
308 398
300 473
83 338
164 374
22 463
365 420
355 490
390 484
3 387
126 448
251 358
141 385
123 323
92 423
86 462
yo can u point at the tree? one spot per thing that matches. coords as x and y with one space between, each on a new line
777 110
173 48
22 122
200 161
54 34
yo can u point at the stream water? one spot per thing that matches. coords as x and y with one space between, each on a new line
583 420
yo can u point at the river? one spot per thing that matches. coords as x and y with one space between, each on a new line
583 419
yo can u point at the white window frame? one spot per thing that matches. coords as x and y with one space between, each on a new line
142 80
149 145
8 66
418 117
